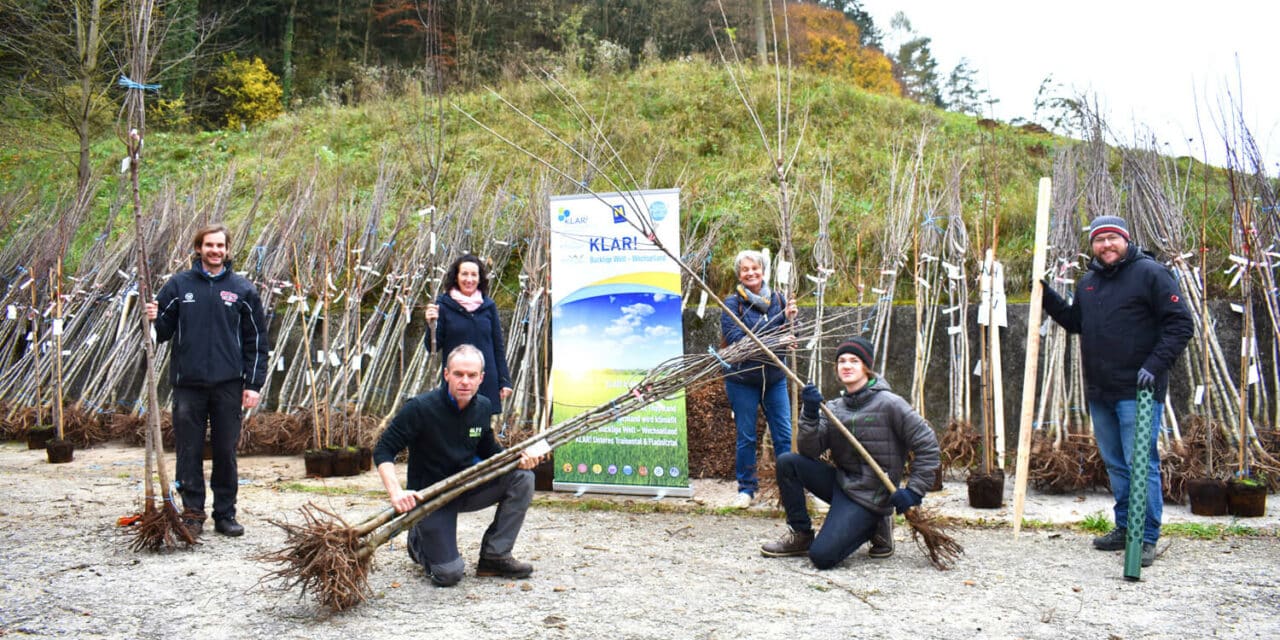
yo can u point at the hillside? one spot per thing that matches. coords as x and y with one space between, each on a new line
677 124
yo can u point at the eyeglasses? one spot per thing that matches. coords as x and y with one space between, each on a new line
1104 238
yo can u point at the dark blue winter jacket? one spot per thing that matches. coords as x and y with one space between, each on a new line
768 326
481 329
1130 316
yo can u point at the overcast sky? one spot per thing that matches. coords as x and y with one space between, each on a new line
1148 62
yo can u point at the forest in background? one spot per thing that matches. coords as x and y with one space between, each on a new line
276 91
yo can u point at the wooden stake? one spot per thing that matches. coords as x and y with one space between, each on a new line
1029 370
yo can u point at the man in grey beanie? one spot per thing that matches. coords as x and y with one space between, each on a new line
1133 325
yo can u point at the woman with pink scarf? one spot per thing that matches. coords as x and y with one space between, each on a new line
465 314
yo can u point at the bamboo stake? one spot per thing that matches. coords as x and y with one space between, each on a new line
35 347
1204 330
59 419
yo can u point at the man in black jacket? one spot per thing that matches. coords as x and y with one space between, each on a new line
217 364
446 430
1133 325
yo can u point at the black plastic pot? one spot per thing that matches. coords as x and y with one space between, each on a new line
986 491
346 462
1208 496
38 437
59 451
319 463
1246 499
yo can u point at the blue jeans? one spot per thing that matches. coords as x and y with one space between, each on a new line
744 399
1113 424
848 526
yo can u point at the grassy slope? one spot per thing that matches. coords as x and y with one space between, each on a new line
686 114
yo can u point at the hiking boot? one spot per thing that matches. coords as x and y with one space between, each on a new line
1148 553
194 522
228 527
1113 541
503 567
882 539
793 543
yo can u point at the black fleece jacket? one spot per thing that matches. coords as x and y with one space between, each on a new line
218 328
442 440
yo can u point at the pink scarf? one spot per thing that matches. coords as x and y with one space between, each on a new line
468 302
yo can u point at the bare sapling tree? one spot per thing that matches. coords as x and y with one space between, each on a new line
160 527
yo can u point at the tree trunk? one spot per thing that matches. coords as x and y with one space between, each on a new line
88 42
286 56
762 44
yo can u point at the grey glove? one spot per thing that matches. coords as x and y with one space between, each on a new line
1146 379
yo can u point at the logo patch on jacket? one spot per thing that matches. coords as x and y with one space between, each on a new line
189 297
228 297
475 432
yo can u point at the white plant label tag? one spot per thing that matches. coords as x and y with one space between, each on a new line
538 449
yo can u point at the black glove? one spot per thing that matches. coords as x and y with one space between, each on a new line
1146 379
811 398
904 499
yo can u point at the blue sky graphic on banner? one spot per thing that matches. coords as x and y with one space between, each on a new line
615 314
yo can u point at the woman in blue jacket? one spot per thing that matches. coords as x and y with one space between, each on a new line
756 383
465 314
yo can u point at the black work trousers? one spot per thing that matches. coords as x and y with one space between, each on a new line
215 410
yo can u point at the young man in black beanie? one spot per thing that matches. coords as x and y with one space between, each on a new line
1133 325
888 429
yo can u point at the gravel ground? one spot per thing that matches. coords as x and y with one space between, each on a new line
67 572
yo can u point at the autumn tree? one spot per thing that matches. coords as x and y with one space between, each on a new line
65 59
868 33
825 40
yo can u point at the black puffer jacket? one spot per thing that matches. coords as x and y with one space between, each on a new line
1130 316
218 328
888 428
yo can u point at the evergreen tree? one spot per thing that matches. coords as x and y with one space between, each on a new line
963 93
919 72
914 65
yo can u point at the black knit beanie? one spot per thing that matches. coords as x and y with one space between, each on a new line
860 347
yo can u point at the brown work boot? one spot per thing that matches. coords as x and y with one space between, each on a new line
794 543
194 522
503 567
882 539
